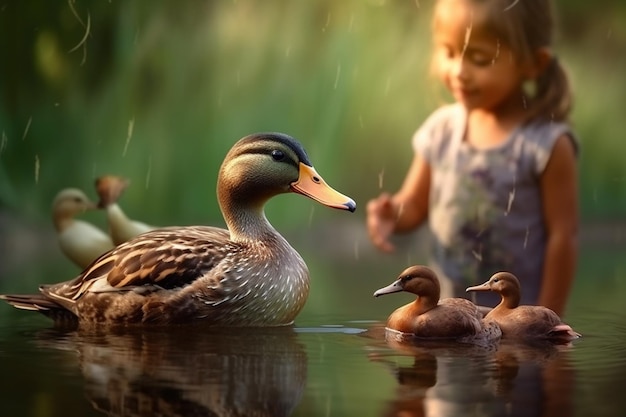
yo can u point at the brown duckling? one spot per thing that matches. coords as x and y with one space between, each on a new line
523 321
429 318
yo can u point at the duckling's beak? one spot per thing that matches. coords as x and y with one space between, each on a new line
110 189
312 185
395 286
482 287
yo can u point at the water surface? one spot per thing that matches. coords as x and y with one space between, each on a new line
334 362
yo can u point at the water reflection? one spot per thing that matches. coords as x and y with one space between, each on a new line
450 379
189 371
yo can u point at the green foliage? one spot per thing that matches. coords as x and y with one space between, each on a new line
158 91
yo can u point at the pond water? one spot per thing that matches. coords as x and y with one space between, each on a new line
334 362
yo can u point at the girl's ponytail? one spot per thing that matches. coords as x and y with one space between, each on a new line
553 98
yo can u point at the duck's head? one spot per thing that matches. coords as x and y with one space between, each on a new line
70 202
418 279
504 283
262 165
110 189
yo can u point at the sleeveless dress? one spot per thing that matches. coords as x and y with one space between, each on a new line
485 208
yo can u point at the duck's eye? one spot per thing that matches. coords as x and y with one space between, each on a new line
278 155
496 280
405 278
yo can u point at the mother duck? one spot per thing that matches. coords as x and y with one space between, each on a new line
247 275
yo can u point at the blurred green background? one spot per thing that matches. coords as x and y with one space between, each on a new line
158 91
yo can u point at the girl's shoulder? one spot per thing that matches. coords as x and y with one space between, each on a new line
537 140
545 133
444 124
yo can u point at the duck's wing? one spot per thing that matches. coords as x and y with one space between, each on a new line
538 322
467 308
452 318
167 258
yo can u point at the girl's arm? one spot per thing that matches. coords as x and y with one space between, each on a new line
403 211
559 193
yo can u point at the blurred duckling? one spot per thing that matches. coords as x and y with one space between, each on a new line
523 322
110 188
79 240
430 318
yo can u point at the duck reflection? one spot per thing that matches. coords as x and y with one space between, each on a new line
450 379
191 371
535 379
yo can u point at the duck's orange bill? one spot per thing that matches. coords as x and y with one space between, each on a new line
312 185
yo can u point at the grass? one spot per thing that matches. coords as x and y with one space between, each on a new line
350 79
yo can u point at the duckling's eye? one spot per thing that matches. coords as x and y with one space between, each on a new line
278 155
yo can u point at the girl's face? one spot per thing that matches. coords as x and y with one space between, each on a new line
479 70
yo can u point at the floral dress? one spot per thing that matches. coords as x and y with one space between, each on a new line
485 208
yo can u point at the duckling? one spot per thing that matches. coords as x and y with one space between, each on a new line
523 322
80 241
430 318
121 228
246 275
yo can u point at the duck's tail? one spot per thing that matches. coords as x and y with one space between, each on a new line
41 304
563 332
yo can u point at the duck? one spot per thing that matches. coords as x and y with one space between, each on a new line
80 241
523 322
246 275
430 318
121 227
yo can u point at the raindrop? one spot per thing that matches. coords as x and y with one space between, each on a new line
327 22
468 33
87 27
3 141
37 166
510 5
337 75
149 172
129 134
27 128
526 237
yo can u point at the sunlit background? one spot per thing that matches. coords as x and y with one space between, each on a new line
158 91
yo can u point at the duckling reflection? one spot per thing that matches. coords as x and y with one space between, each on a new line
444 378
534 379
447 379
191 372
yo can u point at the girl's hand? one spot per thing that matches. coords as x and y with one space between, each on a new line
381 221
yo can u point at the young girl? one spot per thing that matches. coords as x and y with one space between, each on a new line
495 173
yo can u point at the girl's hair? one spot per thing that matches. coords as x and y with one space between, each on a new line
526 26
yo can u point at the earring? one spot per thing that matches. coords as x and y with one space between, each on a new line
529 87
